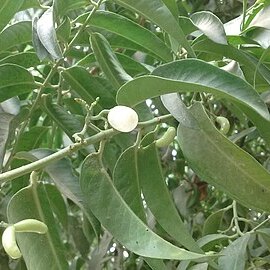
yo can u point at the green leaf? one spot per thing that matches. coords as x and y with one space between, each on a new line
41 51
108 61
8 110
64 30
47 34
226 163
210 25
30 4
16 34
118 218
159 200
44 251
58 204
89 87
61 7
129 64
251 63
196 75
7 10
158 13
191 75
24 59
126 181
130 30
235 254
213 222
66 121
14 81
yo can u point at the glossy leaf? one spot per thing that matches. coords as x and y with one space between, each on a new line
191 75
41 51
8 10
47 34
210 25
126 181
130 30
159 200
44 251
234 256
14 81
116 216
16 34
231 52
226 163
158 13
108 61
196 75
262 19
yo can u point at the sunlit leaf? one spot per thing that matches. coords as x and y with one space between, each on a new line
210 25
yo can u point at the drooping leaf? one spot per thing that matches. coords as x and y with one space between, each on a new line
8 110
108 61
116 216
159 14
126 181
41 51
58 204
8 10
226 163
129 64
195 75
234 255
159 200
16 34
47 34
210 25
128 29
14 81
44 251
89 87
67 122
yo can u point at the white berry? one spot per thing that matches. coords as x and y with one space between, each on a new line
123 118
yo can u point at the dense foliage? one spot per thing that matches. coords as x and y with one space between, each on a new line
188 187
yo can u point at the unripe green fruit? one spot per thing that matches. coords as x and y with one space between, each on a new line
167 137
123 118
224 124
9 243
31 225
